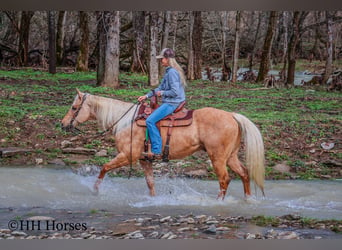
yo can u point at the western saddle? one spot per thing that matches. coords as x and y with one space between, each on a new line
181 117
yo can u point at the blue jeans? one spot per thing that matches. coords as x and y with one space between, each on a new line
153 132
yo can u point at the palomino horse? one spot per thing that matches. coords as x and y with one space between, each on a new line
216 131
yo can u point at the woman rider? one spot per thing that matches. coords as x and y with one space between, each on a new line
171 89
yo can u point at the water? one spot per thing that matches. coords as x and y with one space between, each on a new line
63 189
300 76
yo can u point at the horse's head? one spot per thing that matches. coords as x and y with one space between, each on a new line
78 113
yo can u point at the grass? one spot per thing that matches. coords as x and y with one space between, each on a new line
304 114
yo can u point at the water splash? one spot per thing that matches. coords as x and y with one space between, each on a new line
65 189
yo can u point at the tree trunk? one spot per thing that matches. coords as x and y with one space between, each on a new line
102 26
108 69
190 69
330 38
251 59
174 24
52 42
197 44
298 19
224 25
153 63
25 22
138 64
285 44
83 55
166 33
266 51
236 46
60 37
166 29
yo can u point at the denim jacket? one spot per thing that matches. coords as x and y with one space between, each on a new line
171 87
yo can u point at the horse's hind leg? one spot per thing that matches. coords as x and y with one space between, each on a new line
147 166
235 165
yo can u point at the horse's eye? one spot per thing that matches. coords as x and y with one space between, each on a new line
73 108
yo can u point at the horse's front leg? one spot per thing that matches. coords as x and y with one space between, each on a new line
119 161
147 166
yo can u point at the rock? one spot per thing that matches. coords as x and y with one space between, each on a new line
197 173
327 145
249 236
282 168
222 229
17 233
39 161
287 235
41 218
183 229
58 162
66 143
165 219
209 222
102 153
79 150
8 152
211 230
85 235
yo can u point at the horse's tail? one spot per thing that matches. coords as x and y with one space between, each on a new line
255 158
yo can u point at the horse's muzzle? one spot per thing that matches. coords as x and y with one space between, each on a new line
70 128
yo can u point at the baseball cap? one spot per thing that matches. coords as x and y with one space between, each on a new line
166 53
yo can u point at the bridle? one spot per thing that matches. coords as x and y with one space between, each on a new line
71 127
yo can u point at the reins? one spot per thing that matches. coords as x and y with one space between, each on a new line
109 128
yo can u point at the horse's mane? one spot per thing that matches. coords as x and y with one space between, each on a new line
108 111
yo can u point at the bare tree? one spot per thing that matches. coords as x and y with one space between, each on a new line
83 54
224 30
108 69
138 20
190 69
60 36
236 46
25 22
166 29
266 52
298 20
251 58
197 44
330 38
153 38
52 42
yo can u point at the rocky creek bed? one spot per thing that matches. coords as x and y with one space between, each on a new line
109 225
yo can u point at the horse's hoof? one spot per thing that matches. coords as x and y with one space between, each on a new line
95 191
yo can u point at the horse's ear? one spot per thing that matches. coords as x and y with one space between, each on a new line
79 93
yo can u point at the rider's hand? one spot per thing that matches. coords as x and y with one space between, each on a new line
142 98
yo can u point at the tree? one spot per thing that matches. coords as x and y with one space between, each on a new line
251 58
266 51
329 46
138 20
153 45
224 30
298 20
52 42
24 34
236 46
109 49
197 44
190 69
60 37
83 54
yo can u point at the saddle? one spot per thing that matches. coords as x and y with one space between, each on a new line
181 117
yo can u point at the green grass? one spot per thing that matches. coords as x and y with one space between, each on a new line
306 115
